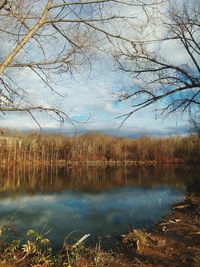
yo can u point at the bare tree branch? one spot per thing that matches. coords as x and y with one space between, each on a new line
52 37
174 85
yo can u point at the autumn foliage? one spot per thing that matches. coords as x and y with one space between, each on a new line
55 149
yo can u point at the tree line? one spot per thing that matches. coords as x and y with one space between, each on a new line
54 149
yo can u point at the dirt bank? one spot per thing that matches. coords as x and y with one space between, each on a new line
175 241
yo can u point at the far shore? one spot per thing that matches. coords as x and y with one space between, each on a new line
63 163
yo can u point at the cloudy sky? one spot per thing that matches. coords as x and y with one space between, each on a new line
89 98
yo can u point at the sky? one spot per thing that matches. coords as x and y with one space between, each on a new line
89 97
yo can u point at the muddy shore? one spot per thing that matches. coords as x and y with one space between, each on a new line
174 241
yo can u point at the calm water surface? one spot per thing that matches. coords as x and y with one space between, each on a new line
102 201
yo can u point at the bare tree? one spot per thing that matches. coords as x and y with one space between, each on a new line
165 61
50 37
195 124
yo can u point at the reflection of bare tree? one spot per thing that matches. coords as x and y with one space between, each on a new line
89 179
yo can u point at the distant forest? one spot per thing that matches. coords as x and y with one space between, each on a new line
55 149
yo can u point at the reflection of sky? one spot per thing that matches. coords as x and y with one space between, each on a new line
107 213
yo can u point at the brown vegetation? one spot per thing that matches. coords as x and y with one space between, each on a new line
95 147
172 242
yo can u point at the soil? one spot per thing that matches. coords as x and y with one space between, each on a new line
175 241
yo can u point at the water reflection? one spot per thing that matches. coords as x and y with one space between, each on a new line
100 200
90 179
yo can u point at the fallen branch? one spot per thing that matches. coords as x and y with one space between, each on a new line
80 241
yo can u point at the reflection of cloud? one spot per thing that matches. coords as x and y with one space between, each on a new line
25 201
100 214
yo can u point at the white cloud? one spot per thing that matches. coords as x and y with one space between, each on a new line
91 98
91 95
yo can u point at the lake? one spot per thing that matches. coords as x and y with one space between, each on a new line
104 201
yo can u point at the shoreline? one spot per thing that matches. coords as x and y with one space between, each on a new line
63 164
173 241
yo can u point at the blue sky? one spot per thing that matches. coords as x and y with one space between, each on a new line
89 97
